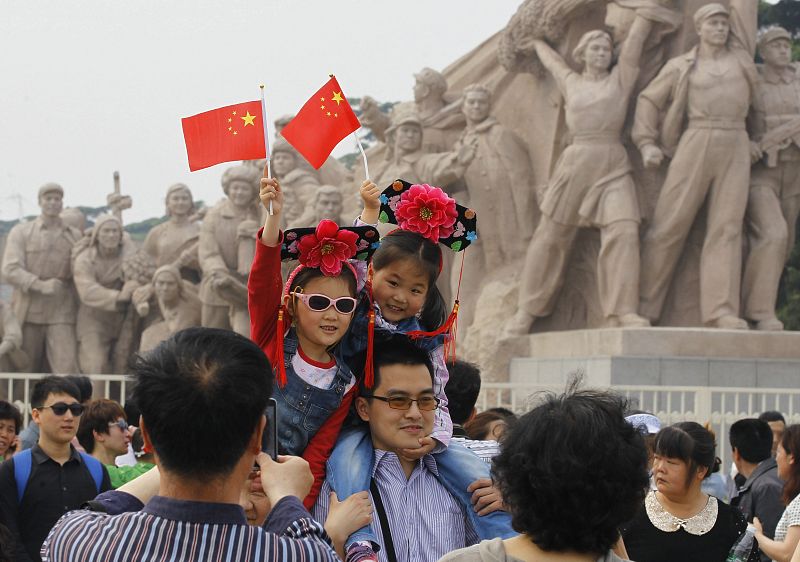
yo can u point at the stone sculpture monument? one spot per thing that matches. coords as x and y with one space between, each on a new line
178 303
592 183
774 200
710 88
299 183
499 183
175 241
36 262
223 289
327 203
105 296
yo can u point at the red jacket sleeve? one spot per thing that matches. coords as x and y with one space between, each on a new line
264 291
319 448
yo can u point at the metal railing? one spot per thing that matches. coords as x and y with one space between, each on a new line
17 387
717 406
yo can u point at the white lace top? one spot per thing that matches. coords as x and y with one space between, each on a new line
790 518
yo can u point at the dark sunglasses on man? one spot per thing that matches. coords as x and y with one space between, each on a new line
60 408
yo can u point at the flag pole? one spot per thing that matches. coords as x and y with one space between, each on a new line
266 136
363 154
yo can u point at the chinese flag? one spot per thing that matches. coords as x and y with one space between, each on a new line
234 132
321 123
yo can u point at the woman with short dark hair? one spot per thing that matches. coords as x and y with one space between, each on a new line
679 521
571 472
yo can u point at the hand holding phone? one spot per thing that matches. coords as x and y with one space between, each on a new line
269 439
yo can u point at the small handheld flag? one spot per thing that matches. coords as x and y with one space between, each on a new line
233 132
324 120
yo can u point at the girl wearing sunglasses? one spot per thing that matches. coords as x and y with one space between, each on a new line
300 326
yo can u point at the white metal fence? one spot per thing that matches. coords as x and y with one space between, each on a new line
715 405
17 388
719 406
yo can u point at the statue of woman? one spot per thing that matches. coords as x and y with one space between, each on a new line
175 241
104 294
592 184
179 305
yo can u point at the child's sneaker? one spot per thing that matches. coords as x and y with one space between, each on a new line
361 551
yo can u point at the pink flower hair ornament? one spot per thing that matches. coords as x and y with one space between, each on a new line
327 248
428 211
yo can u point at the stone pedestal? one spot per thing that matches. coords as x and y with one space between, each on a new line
659 356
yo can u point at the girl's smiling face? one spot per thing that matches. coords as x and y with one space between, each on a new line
400 289
319 330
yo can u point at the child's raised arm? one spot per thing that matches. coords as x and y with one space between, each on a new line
371 196
271 192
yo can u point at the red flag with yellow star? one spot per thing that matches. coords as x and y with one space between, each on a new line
233 132
321 124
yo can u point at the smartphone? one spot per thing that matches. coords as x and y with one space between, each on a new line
269 440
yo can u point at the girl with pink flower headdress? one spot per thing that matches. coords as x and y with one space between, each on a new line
299 324
401 296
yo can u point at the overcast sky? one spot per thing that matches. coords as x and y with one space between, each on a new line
93 86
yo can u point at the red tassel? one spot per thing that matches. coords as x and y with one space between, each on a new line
369 370
446 327
279 363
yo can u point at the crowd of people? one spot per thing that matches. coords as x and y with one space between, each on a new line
383 456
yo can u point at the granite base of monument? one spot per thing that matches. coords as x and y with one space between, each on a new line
659 356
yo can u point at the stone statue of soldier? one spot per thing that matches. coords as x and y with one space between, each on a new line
105 296
327 204
36 262
223 289
774 200
694 111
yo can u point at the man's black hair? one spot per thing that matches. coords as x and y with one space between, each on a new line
395 349
84 385
53 384
772 416
462 390
202 393
752 438
507 414
572 471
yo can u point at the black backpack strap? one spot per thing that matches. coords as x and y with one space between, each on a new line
387 535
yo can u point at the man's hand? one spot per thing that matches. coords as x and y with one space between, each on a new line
49 287
652 156
426 445
486 497
290 476
347 517
271 191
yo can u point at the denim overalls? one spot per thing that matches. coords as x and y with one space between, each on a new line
302 407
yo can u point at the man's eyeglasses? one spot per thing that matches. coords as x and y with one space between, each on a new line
319 303
425 403
60 408
122 424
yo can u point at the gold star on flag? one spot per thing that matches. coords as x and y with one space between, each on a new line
321 99
336 115
235 133
234 113
229 120
248 119
337 97
322 107
329 114
230 128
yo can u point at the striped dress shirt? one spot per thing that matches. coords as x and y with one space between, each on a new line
425 520
186 531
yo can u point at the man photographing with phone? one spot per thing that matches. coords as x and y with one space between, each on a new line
202 394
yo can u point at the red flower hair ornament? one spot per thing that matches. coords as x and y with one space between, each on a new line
328 248
428 211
